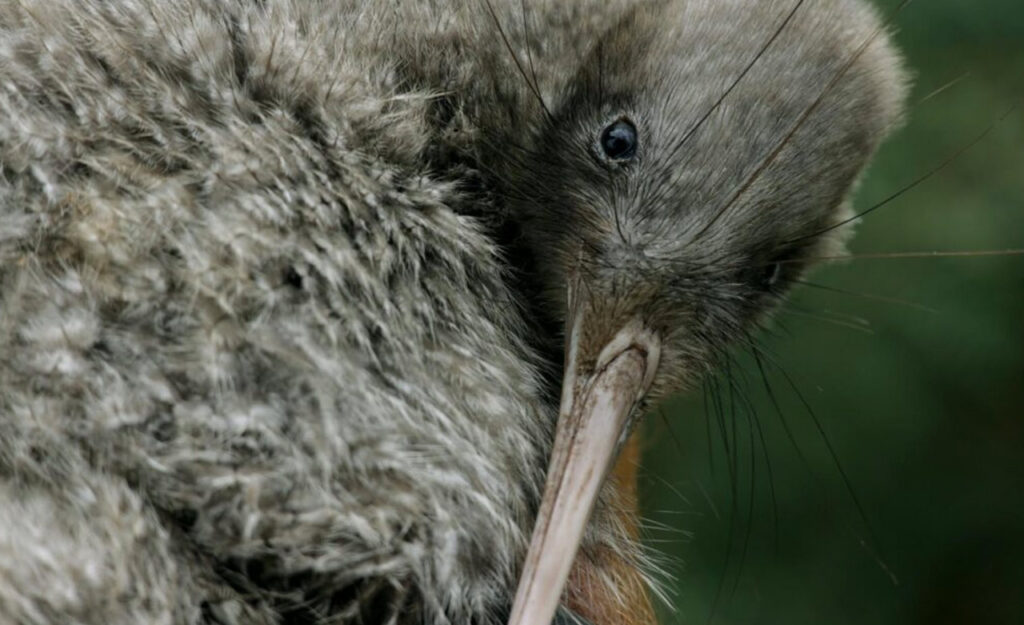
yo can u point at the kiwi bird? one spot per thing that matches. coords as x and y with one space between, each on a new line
284 286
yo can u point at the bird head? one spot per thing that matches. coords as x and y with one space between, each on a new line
697 162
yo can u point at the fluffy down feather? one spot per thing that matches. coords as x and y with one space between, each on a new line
250 346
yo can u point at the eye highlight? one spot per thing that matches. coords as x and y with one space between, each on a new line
619 140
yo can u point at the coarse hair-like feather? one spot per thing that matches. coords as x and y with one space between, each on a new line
264 352
255 362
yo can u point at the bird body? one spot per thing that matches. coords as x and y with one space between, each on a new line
282 283
244 329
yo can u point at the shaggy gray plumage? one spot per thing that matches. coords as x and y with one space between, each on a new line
260 359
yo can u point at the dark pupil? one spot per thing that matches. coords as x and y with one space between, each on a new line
619 140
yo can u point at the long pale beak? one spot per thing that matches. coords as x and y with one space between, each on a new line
593 421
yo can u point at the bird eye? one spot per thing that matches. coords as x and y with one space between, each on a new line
618 141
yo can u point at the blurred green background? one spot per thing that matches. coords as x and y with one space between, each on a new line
922 399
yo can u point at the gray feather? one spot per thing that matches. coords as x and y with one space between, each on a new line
262 358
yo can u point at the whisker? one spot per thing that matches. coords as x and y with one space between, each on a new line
774 154
868 296
707 430
768 466
675 439
719 413
824 319
915 255
515 58
945 87
921 179
733 514
714 107
707 497
847 483
739 78
760 357
750 410
529 55
718 267
675 491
